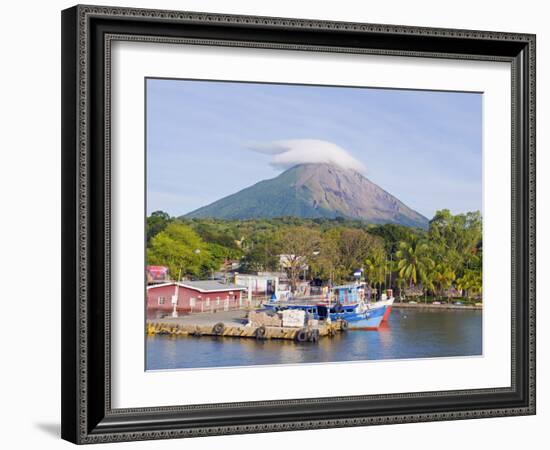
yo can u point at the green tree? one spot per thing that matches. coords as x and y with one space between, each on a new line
156 223
325 260
427 280
413 262
354 247
442 277
376 268
471 282
261 252
298 245
180 249
455 237
217 232
392 234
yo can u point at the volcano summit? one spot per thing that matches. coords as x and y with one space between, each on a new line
314 191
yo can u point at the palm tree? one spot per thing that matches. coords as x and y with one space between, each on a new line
443 277
427 283
413 262
375 268
400 282
470 282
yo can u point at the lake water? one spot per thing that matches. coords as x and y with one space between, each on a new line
408 334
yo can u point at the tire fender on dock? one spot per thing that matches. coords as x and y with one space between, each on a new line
260 332
218 328
314 335
302 335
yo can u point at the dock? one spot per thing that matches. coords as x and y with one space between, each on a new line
233 324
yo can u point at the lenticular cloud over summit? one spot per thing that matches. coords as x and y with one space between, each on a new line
288 153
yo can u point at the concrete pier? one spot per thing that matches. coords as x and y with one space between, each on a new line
234 324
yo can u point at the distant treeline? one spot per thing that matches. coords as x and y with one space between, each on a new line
447 255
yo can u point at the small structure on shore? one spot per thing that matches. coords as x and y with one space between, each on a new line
157 274
193 296
256 285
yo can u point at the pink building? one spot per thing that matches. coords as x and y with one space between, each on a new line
193 296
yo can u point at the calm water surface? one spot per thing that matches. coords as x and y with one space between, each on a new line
408 334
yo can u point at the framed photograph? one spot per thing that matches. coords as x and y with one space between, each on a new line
279 224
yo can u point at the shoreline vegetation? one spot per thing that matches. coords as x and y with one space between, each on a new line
442 263
443 306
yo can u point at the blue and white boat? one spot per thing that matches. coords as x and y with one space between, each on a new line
348 305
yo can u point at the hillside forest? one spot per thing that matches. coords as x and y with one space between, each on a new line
439 262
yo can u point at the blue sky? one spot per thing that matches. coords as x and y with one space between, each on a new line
423 147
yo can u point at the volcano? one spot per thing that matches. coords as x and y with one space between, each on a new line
314 191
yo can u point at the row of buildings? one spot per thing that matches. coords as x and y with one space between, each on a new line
228 291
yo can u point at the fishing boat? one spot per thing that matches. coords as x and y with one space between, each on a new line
349 305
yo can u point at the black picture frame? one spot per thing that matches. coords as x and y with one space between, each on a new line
87 415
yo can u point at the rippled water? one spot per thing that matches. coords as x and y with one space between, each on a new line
408 334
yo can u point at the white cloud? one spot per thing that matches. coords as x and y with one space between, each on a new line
288 153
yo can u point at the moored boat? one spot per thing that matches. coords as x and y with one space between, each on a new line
378 312
351 308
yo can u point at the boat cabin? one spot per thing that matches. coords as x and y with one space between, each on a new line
348 293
